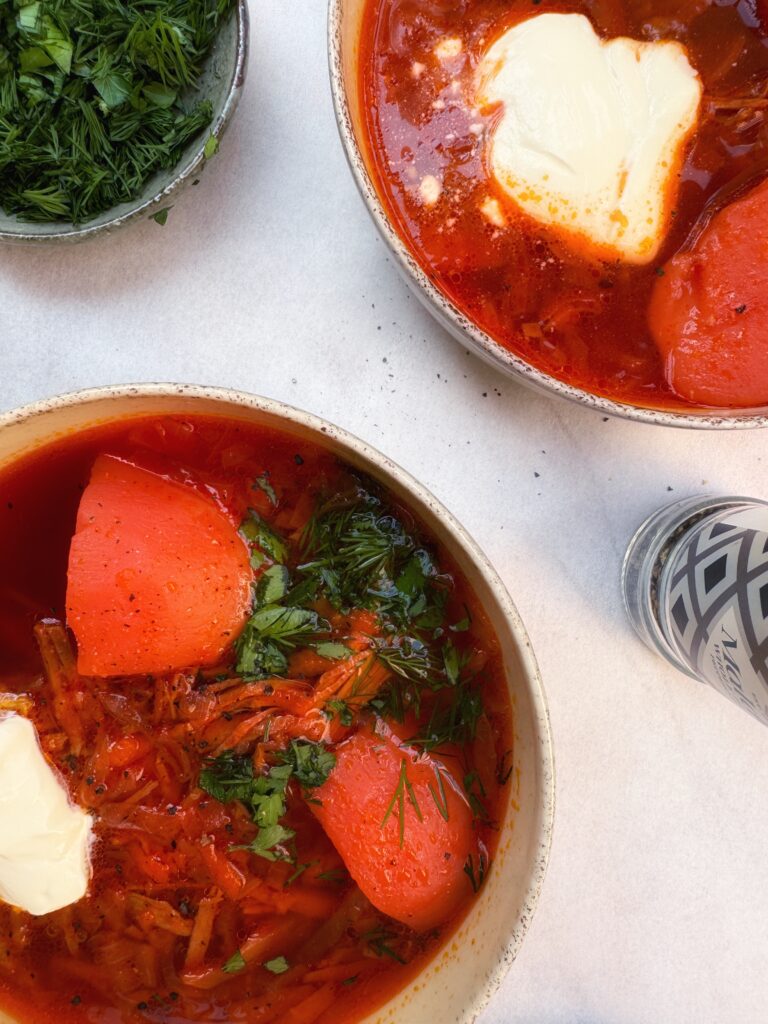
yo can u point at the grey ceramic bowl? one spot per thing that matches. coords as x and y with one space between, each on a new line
343 42
222 82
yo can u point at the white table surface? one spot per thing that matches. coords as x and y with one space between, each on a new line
270 277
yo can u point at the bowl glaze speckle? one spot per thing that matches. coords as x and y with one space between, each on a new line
221 82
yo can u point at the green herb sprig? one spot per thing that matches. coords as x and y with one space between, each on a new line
230 776
356 553
95 97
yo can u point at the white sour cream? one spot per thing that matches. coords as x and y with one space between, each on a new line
44 840
591 132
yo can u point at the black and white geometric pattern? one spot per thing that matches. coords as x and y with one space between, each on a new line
720 575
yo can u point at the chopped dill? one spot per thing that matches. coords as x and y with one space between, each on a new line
503 772
476 795
299 872
336 875
356 553
439 794
476 877
404 788
95 97
379 941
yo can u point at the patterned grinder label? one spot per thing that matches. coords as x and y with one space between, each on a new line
713 593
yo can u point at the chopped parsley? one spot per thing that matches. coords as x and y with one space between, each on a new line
279 965
262 484
231 777
235 963
259 533
333 650
270 634
310 763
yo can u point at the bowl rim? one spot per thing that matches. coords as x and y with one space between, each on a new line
325 431
69 233
458 325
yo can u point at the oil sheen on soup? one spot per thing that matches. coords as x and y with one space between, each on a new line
586 181
254 727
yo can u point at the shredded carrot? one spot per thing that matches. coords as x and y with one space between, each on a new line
244 731
61 671
223 872
307 662
310 1009
202 930
296 699
355 680
158 914
272 1011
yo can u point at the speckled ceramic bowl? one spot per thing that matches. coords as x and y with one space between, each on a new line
221 82
462 977
343 42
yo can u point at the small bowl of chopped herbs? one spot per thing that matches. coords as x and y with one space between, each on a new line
107 107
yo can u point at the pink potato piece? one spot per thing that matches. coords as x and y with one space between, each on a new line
158 578
419 879
709 312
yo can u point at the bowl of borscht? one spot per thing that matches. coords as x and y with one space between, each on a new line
273 742
579 193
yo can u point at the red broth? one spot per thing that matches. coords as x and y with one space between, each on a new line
171 903
582 321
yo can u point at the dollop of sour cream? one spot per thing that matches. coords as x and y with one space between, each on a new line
44 840
591 133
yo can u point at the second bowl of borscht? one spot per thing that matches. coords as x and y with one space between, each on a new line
578 194
272 736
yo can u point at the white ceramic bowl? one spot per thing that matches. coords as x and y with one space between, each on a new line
221 81
462 977
343 48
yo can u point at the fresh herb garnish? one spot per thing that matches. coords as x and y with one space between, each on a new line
476 879
161 217
95 97
257 531
275 628
272 585
262 484
476 794
268 841
271 632
503 772
453 717
301 868
439 794
333 650
310 763
279 965
379 941
402 789
336 875
341 709
362 556
230 777
235 963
